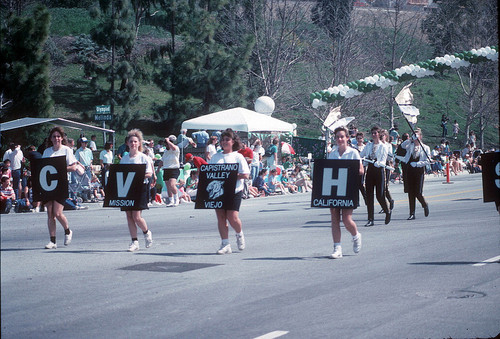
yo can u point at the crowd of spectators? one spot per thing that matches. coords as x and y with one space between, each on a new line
273 171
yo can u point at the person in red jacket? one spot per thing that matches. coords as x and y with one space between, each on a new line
197 161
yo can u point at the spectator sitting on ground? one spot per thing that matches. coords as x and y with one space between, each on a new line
301 179
253 191
192 184
6 172
95 186
183 195
7 196
273 183
285 180
455 165
260 183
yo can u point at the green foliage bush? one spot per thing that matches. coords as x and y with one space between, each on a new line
70 21
84 47
57 56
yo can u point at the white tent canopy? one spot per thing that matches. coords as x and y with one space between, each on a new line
238 119
24 122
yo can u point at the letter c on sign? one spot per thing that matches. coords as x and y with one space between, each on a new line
46 185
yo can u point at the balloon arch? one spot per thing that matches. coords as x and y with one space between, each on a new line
405 73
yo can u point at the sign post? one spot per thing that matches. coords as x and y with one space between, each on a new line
103 113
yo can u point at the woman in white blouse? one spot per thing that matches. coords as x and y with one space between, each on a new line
134 213
230 143
56 147
416 158
375 176
106 159
343 151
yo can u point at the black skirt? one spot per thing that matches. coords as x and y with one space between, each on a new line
142 204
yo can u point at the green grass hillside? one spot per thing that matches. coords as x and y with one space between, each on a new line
74 98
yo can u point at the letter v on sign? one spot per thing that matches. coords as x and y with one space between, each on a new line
123 186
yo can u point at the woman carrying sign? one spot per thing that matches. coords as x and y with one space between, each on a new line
134 213
230 143
343 151
416 159
375 176
56 147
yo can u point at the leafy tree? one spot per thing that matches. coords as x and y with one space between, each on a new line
198 71
116 32
24 66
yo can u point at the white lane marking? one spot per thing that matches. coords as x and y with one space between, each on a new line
487 261
272 335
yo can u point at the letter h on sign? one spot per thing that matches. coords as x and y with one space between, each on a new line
329 182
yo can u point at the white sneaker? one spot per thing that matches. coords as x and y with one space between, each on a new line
148 237
51 246
176 202
240 240
67 238
337 252
134 246
170 203
225 249
356 243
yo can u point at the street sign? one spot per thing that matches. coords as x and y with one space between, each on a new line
103 113
103 117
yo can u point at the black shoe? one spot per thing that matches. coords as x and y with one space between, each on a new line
369 223
388 217
411 217
426 210
391 205
381 211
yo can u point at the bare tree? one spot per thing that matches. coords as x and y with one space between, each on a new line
278 30
461 26
393 38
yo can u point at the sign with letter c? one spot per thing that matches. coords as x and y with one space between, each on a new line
50 179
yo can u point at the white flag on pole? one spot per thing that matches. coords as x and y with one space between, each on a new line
404 99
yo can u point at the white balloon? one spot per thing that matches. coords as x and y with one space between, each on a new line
315 103
264 105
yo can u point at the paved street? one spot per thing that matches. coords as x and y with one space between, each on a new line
426 278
